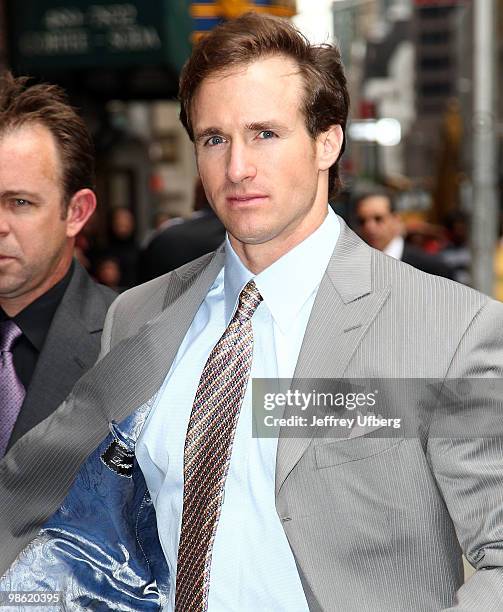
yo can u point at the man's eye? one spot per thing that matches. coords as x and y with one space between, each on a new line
266 134
214 140
20 202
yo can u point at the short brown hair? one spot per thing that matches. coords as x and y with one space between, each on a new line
251 37
47 105
375 191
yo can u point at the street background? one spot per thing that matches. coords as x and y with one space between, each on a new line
426 116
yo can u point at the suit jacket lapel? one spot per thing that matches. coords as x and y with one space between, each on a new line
71 347
62 361
345 305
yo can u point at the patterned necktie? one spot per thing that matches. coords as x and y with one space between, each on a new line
11 389
207 453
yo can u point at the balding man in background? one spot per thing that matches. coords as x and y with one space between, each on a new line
51 312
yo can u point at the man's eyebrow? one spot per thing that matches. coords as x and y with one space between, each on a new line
209 131
255 126
18 193
259 126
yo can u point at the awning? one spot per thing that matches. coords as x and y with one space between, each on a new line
206 15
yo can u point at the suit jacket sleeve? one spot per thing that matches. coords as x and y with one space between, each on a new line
469 470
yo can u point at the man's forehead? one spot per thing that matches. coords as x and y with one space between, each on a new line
33 140
267 78
268 68
29 133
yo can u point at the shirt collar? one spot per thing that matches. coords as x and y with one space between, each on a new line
395 248
288 283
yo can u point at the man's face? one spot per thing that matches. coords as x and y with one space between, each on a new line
377 224
35 250
261 170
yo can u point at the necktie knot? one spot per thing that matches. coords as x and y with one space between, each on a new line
9 333
249 299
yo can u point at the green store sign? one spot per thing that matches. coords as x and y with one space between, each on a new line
82 34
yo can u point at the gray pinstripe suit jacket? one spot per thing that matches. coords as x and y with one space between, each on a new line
374 524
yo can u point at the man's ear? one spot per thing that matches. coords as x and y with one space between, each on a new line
329 146
80 208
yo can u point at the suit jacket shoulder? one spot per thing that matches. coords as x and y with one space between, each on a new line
428 294
144 302
369 305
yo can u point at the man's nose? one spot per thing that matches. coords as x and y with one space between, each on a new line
4 223
240 165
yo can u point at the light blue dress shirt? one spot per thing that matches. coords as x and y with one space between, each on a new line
253 567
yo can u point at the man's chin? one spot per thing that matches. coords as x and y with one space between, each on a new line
375 245
9 291
250 239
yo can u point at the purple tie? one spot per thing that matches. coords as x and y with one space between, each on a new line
11 389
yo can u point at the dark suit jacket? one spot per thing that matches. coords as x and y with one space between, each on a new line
427 263
177 245
71 347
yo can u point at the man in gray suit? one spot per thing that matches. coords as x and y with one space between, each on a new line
50 310
194 512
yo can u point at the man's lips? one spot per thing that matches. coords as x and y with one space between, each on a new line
249 197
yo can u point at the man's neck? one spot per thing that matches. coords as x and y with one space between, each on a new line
258 257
